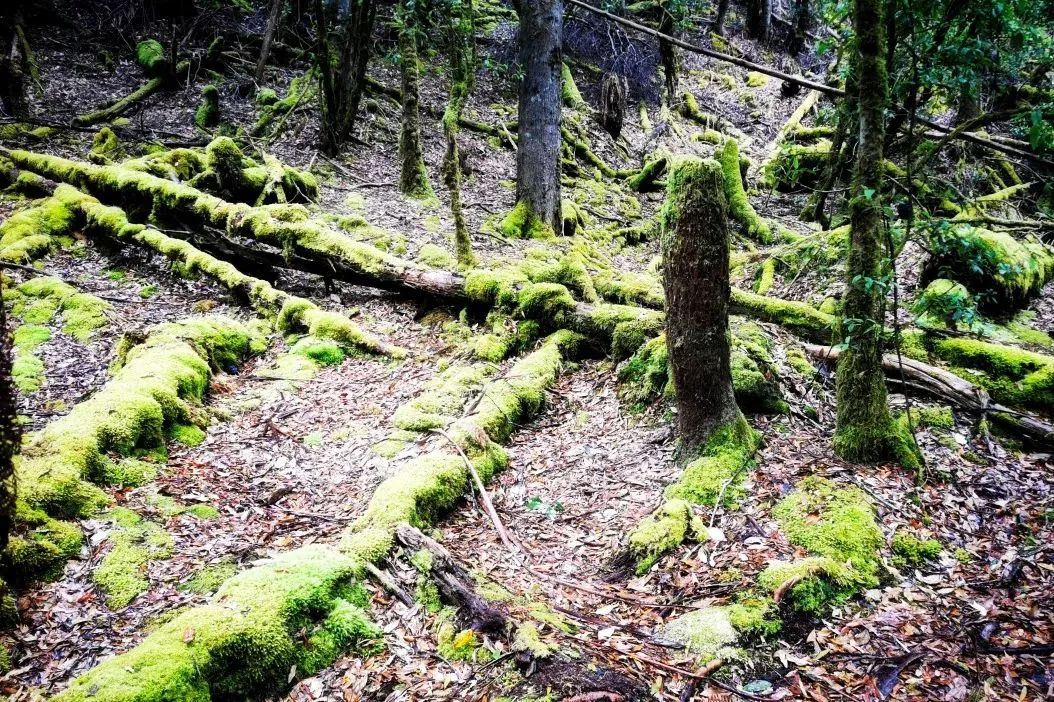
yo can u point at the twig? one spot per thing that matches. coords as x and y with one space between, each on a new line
483 495
389 584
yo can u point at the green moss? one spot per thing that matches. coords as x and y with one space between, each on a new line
207 116
429 485
127 472
436 257
568 90
134 543
150 55
945 304
30 233
290 366
814 584
104 146
909 550
662 531
443 399
707 633
718 473
326 353
294 613
455 644
82 314
528 640
1012 375
837 526
186 434
151 389
802 319
766 276
208 579
738 204
29 337
756 80
936 418
522 223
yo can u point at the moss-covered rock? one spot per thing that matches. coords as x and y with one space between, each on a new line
150 55
945 304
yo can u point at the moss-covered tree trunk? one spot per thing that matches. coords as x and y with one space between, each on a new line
10 439
695 253
864 427
343 80
462 53
538 152
12 63
668 52
413 176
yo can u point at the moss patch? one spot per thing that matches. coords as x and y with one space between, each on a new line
134 543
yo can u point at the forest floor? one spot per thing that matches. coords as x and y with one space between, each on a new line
290 461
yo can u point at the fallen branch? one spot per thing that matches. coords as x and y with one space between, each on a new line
950 388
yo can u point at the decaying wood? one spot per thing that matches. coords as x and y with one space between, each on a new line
941 384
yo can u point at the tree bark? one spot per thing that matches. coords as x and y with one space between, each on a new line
719 20
273 15
802 19
538 152
668 53
695 252
413 176
10 441
759 19
462 67
12 65
342 87
863 431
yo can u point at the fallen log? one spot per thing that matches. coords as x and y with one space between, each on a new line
923 378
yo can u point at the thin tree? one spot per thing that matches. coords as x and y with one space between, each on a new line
344 80
274 13
413 175
759 19
462 51
538 154
10 442
864 428
719 20
695 252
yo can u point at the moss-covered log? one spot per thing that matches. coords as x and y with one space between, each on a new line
116 108
302 609
738 204
157 386
297 612
363 264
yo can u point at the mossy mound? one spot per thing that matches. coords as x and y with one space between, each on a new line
909 550
665 529
716 476
154 387
837 527
134 543
30 233
297 612
444 398
1001 271
946 304
150 55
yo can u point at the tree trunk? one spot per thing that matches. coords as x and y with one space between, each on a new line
12 65
342 87
538 152
613 90
967 107
864 427
273 15
10 440
759 19
413 176
802 19
462 53
668 54
719 21
695 252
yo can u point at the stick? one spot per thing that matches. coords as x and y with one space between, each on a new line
389 584
484 496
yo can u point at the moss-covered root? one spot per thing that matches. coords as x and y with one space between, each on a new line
31 233
297 612
428 486
738 204
663 530
717 475
293 313
837 527
155 387
800 318
522 223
